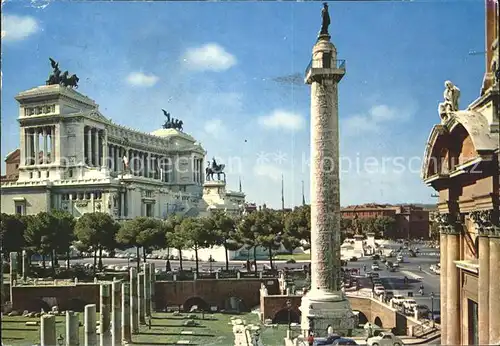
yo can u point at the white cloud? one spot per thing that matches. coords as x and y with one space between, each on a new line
215 127
270 171
15 28
374 120
140 79
209 57
280 119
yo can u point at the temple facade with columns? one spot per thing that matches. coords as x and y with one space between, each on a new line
72 157
462 163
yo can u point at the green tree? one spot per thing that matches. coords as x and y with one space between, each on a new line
225 233
40 236
269 228
385 227
247 233
174 237
97 231
64 223
297 227
12 228
199 233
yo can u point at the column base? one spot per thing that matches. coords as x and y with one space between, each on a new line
322 309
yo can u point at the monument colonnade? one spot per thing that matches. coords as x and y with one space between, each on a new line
36 141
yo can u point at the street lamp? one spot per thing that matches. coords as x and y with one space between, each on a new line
289 307
210 259
432 307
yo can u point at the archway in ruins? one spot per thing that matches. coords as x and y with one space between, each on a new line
281 317
198 301
378 322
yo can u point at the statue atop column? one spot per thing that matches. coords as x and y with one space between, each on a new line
172 123
325 20
215 168
58 78
451 98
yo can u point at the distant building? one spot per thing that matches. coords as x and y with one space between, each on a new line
12 166
462 164
411 221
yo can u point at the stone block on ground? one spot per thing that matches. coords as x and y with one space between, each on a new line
183 342
187 332
32 324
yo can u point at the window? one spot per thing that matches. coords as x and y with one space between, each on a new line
149 210
31 175
472 313
70 173
47 174
19 209
17 166
39 174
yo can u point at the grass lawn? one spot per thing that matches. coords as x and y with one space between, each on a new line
297 257
166 330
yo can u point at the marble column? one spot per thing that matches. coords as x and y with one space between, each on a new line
48 330
325 304
96 147
105 158
147 164
116 158
141 312
147 288
453 289
483 287
105 315
126 330
89 325
52 144
134 316
72 329
13 271
116 315
89 146
152 287
45 145
494 283
36 154
443 246
25 265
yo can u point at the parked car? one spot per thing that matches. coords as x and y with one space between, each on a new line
398 299
375 266
423 310
400 259
375 275
375 257
326 341
344 341
377 281
353 259
384 339
409 304
379 289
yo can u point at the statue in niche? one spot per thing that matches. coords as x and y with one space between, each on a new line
125 162
172 123
214 168
451 98
325 20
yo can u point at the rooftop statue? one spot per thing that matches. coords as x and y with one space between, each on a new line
325 20
451 98
58 78
172 123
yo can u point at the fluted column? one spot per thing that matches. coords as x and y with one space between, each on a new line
147 164
96 147
443 243
45 145
52 144
25 152
453 288
37 143
105 159
89 146
494 284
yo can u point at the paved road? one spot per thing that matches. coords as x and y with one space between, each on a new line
394 281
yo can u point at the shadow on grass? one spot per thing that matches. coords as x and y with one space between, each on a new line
20 329
158 343
176 334
13 338
174 326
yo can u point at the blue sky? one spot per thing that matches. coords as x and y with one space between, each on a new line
215 64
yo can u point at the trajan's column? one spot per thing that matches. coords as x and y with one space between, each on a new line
325 305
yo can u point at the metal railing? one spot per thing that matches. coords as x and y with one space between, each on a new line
336 64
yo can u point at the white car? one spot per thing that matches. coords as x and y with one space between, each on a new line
384 339
379 289
409 304
375 266
398 299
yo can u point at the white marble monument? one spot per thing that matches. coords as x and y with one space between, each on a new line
325 307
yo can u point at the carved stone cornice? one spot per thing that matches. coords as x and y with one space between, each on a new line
449 223
483 221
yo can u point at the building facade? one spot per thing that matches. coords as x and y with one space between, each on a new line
462 163
411 222
72 157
